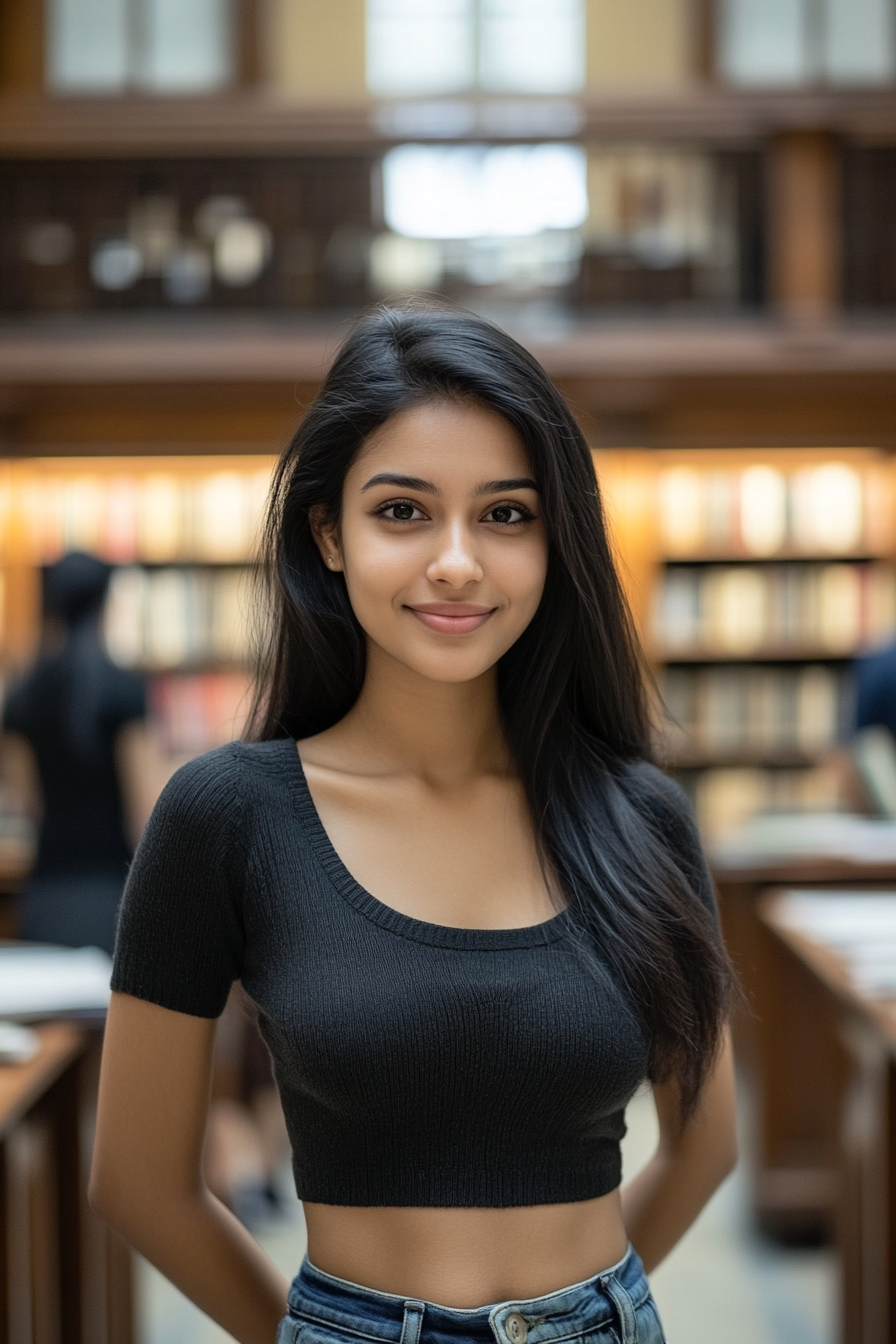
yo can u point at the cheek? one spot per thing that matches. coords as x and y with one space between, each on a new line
520 573
375 572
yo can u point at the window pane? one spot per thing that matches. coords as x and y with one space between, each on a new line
87 45
860 41
532 46
187 45
420 46
765 41
475 192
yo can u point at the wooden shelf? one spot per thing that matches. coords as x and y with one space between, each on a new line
748 756
269 349
672 658
201 667
779 558
257 122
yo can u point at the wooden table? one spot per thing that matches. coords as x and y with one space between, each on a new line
788 1053
865 1206
65 1277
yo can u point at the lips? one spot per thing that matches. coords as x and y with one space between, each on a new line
451 618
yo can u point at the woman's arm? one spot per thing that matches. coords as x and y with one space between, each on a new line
19 779
690 1163
147 1178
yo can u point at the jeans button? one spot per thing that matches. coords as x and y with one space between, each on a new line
516 1328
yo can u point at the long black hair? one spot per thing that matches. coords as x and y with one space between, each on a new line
572 688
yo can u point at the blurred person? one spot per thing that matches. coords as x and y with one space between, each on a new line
76 742
868 766
875 689
473 915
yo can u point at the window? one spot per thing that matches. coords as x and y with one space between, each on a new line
781 42
505 217
500 46
472 191
164 46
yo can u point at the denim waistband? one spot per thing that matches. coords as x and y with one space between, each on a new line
609 1298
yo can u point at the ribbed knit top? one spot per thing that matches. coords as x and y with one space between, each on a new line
418 1064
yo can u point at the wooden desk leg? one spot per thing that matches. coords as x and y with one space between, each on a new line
866 1205
31 1297
790 1058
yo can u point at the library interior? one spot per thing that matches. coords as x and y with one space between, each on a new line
686 210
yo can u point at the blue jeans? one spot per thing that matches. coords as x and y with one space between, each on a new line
615 1307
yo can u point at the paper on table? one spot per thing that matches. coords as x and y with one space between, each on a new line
858 925
831 835
39 980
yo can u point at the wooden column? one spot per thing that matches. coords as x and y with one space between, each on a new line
21 46
804 225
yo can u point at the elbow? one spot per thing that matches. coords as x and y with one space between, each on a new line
726 1157
101 1195
112 1196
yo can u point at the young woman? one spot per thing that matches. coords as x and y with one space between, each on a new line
472 916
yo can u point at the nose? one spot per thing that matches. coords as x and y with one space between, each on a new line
455 562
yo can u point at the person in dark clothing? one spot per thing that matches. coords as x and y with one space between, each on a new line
875 676
71 709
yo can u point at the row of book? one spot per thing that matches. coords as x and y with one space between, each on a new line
742 610
176 617
193 713
717 712
154 516
724 799
832 508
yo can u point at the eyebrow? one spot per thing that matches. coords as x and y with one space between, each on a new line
430 488
509 483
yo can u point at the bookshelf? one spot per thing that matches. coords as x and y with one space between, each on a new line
181 532
756 577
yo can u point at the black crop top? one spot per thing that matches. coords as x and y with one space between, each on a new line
418 1065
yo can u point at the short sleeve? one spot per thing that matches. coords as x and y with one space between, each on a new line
180 936
125 698
664 802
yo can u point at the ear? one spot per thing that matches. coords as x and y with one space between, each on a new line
325 531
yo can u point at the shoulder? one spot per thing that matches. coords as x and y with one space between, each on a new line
221 781
123 692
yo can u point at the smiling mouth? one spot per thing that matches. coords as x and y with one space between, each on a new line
452 618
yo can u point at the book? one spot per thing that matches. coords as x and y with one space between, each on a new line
827 508
740 610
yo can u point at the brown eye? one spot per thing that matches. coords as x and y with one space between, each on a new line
400 511
508 514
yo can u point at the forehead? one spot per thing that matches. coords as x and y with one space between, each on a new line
444 442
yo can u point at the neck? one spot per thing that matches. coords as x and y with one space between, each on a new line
445 731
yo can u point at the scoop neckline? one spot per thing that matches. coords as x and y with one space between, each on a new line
419 930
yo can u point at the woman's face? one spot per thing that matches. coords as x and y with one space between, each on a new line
441 539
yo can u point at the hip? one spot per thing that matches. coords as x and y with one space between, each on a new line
613 1307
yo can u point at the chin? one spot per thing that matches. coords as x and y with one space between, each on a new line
444 667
